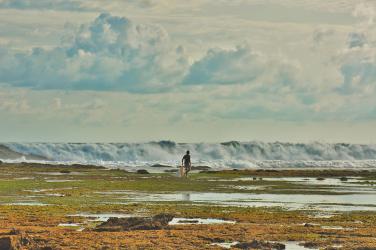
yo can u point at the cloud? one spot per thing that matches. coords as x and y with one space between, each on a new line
320 34
110 53
239 66
357 62
71 5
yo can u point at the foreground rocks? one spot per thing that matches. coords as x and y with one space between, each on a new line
157 222
260 245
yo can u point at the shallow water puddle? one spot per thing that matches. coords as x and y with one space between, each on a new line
27 203
226 245
346 202
69 225
189 221
60 173
292 245
58 180
24 178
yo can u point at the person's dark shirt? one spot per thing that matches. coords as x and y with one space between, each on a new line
187 159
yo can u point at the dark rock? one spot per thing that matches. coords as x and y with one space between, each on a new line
157 222
14 231
309 244
188 221
142 171
344 179
201 168
6 243
9 243
160 166
308 225
65 171
260 245
1 162
209 172
320 178
171 170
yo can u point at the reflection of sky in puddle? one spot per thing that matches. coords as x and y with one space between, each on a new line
58 180
185 221
68 225
335 185
294 246
227 245
59 173
313 181
289 201
27 203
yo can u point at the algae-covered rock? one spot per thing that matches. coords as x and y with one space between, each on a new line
160 166
157 222
260 245
142 171
203 168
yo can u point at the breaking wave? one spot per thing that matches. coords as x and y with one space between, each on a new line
219 155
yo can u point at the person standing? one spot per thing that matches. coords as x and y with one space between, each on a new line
186 164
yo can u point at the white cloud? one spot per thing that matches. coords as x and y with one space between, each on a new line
241 66
111 53
357 62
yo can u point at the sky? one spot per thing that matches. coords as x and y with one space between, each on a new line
188 71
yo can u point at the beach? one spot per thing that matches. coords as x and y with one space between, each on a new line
46 206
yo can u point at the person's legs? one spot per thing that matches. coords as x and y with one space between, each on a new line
186 170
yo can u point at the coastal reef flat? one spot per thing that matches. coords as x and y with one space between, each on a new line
88 207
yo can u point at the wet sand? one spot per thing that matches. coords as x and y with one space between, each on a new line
60 206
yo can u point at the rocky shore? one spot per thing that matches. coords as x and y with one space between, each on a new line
88 207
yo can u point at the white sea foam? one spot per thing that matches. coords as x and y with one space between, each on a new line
216 155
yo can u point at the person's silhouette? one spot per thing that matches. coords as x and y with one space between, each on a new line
186 163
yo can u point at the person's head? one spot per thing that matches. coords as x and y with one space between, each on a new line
187 152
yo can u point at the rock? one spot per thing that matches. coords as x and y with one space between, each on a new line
9 243
142 171
310 244
6 243
157 222
65 171
14 231
1 162
160 166
260 245
209 172
201 168
171 170
308 225
188 221
320 178
343 179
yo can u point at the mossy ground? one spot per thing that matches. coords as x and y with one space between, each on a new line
83 193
